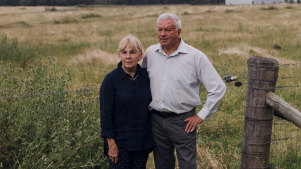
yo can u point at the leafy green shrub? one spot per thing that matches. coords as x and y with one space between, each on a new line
269 8
51 9
45 124
90 16
65 20
289 7
186 13
229 11
23 24
11 52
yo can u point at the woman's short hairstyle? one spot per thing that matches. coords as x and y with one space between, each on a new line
171 16
133 42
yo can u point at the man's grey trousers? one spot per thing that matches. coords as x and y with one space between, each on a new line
169 134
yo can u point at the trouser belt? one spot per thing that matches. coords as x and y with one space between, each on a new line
166 114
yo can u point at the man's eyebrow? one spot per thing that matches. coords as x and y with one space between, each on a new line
166 27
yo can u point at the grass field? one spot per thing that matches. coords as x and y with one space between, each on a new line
73 48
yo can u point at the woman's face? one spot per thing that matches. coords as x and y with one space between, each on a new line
129 58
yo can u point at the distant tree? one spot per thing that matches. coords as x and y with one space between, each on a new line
208 2
111 2
154 2
10 2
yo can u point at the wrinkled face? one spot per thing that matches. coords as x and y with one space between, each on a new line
167 33
129 57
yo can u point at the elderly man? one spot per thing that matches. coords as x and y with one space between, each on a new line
176 71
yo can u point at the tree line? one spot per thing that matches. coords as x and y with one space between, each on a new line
102 2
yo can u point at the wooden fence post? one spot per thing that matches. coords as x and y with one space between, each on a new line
262 77
283 108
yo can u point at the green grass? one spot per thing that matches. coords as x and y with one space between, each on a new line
44 123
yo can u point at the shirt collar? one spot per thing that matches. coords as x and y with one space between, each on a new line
181 49
119 66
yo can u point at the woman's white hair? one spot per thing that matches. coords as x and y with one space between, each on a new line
171 16
133 42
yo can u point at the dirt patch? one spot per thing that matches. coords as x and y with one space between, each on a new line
203 153
95 57
245 51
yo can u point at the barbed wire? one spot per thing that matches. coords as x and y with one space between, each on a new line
284 139
283 87
221 123
276 87
281 126
283 77
60 106
297 64
50 93
280 65
279 78
232 73
290 77
273 141
290 64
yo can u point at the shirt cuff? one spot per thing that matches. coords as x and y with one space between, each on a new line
107 135
203 113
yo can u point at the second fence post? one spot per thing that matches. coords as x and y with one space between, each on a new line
262 77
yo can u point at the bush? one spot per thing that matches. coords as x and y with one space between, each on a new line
10 52
87 16
269 8
45 124
65 20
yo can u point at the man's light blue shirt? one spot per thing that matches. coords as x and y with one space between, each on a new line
175 80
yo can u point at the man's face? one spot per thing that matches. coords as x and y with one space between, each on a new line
168 36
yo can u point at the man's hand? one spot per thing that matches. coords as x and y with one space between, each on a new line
113 150
193 121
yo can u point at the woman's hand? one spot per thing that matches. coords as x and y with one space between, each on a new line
113 150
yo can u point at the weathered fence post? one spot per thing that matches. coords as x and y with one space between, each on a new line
262 77
284 109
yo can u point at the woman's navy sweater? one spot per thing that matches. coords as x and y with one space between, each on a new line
124 112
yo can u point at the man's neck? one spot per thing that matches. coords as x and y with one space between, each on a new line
170 49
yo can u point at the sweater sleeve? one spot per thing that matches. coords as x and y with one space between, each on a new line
107 108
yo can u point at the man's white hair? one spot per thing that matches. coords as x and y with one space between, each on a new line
171 16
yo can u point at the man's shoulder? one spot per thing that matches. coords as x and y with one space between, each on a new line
194 51
153 47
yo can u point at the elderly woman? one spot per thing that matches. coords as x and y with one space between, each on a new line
125 117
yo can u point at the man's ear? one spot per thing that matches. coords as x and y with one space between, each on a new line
179 32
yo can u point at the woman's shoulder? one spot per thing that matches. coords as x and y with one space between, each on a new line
113 74
144 74
142 70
